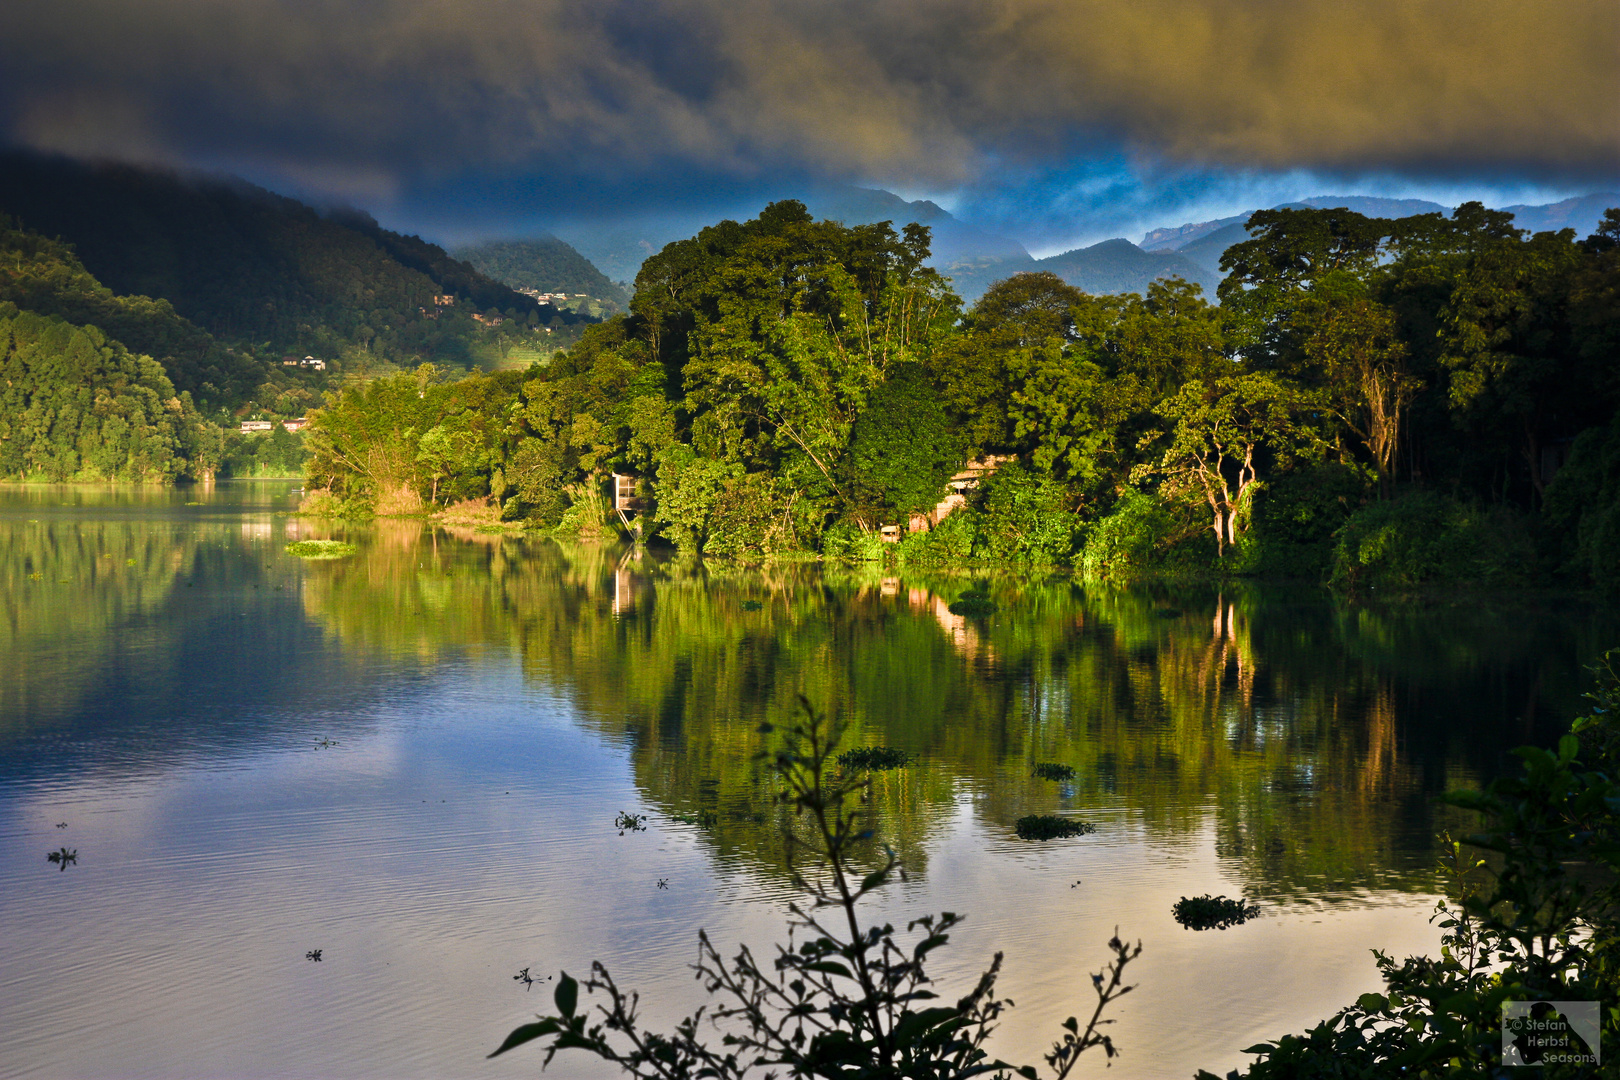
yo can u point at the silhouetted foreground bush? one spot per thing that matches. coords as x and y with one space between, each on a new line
841 998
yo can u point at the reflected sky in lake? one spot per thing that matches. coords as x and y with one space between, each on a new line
411 761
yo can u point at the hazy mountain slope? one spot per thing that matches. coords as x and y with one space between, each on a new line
1119 266
863 206
1581 214
249 265
971 257
545 264
1206 251
1204 242
1174 238
1373 207
619 248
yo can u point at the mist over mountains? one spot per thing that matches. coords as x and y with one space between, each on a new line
974 258
247 263
1204 242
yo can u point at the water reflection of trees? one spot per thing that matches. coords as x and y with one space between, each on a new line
133 621
1314 736
65 587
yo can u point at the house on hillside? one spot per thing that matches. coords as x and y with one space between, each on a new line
250 427
313 364
296 425
966 479
626 500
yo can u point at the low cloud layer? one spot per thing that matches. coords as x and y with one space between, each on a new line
365 99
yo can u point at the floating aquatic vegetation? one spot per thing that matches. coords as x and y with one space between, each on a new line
526 979
1051 770
628 822
321 549
1051 827
63 857
873 758
324 744
313 954
1213 912
975 604
663 883
752 605
61 824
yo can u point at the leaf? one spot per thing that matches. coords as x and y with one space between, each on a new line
567 995
830 968
526 1033
915 1024
1372 1002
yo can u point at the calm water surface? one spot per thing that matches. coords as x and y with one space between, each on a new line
411 760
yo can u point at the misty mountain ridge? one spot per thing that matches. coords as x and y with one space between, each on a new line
1205 242
974 258
261 273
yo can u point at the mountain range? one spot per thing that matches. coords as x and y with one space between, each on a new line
971 257
1204 242
974 258
224 282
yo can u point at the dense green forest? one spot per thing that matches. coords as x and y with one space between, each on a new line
267 276
76 405
46 277
108 387
1385 401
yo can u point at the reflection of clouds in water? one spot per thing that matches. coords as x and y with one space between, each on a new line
413 874
400 853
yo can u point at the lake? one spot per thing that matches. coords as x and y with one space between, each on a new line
411 760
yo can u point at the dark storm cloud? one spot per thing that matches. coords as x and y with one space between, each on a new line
366 98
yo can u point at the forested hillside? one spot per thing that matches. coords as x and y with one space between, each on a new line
1119 266
75 405
45 276
89 393
263 273
544 264
1376 401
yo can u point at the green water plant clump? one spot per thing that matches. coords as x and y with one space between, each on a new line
1213 912
874 758
1051 770
1051 827
975 604
321 549
629 822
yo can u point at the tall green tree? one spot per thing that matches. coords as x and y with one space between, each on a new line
1224 432
902 449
